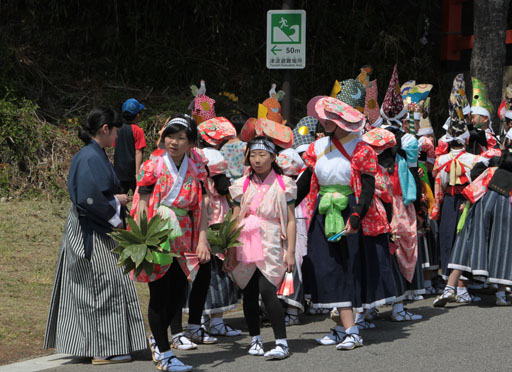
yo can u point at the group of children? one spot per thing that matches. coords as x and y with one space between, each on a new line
353 209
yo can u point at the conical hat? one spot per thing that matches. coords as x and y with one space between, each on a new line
392 108
353 93
457 126
459 89
481 103
304 133
371 106
425 125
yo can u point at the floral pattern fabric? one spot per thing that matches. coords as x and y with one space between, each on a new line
155 172
234 153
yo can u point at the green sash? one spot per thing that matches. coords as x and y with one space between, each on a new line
334 200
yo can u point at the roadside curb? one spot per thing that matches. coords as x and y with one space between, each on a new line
38 364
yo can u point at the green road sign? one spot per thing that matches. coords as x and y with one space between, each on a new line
286 39
286 28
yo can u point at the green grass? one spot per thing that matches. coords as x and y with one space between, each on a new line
30 235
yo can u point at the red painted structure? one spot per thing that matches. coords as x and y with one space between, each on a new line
452 41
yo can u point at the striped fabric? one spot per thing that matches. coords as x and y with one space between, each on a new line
403 287
223 295
429 247
94 309
450 214
486 252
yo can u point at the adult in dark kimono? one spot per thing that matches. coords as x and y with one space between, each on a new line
94 310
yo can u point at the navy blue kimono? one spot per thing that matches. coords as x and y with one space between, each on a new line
92 184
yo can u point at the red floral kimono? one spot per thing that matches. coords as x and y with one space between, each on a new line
181 191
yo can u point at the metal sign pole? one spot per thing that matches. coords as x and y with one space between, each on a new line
286 108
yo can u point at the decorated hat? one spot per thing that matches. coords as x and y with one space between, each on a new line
364 75
392 108
344 115
290 162
202 107
505 109
352 93
216 130
371 106
425 127
271 108
459 89
304 133
280 134
481 104
380 139
414 96
457 129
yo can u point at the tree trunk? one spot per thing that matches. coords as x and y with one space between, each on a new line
488 55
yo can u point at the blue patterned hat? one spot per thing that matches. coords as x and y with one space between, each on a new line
304 133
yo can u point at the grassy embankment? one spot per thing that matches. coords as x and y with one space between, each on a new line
30 234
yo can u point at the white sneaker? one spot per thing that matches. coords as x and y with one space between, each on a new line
223 329
333 338
181 342
200 336
256 348
351 341
279 352
172 364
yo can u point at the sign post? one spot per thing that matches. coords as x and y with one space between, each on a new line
286 46
286 39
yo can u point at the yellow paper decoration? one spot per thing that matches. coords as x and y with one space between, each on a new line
262 111
335 89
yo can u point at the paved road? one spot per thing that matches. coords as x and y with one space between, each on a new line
457 338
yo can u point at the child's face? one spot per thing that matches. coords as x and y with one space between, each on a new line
261 161
177 145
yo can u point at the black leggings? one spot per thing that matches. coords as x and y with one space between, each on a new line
166 298
196 299
259 284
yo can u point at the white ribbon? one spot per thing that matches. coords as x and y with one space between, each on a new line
396 118
460 139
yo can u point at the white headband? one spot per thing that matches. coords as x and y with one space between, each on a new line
178 121
460 139
263 145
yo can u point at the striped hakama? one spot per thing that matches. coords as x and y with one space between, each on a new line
484 247
429 247
223 295
94 309
450 214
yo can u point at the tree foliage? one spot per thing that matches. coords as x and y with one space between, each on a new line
67 55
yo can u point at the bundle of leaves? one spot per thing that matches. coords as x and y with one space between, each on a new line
143 245
224 235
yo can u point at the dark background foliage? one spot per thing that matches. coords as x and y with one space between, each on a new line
58 53
60 58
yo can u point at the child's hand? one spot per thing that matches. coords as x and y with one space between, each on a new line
290 261
203 253
230 262
349 230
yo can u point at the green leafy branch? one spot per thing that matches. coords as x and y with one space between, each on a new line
144 245
224 235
